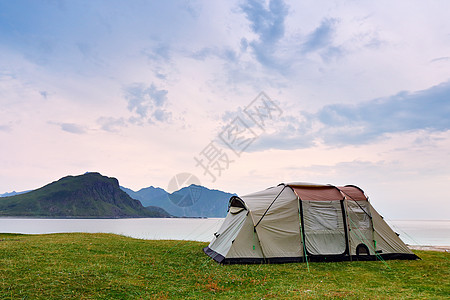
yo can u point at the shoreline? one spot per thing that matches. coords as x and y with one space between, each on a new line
445 249
430 248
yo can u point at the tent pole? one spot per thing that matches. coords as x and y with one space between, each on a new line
270 206
300 213
345 205
373 231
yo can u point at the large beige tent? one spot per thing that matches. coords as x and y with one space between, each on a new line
304 222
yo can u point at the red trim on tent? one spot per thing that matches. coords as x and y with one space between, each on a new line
328 192
353 193
318 193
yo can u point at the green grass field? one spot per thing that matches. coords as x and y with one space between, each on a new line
103 266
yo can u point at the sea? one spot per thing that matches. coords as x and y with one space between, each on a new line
412 232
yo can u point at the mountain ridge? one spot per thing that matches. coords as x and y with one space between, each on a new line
87 195
13 193
190 201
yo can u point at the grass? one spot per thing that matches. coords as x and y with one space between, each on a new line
103 266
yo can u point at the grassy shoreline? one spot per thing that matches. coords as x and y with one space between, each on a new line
99 266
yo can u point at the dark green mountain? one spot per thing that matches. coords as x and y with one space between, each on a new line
191 201
90 195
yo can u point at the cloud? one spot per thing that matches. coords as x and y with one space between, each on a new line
321 37
72 128
363 123
111 124
291 140
148 103
428 109
5 128
271 127
159 53
287 132
321 40
226 54
440 59
44 94
268 24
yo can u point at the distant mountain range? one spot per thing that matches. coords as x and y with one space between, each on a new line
13 193
191 201
94 195
89 195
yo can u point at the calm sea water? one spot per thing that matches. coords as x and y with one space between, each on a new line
425 233
430 233
142 228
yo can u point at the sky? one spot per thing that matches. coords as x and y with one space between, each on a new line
243 95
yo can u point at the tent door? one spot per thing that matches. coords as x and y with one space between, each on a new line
360 224
324 228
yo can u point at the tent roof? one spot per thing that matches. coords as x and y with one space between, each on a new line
326 192
353 192
306 184
318 193
305 191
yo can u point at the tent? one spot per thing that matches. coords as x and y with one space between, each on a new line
300 222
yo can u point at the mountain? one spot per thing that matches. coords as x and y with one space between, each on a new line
146 193
13 193
191 201
89 195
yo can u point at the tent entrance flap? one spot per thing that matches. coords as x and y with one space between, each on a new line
324 227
